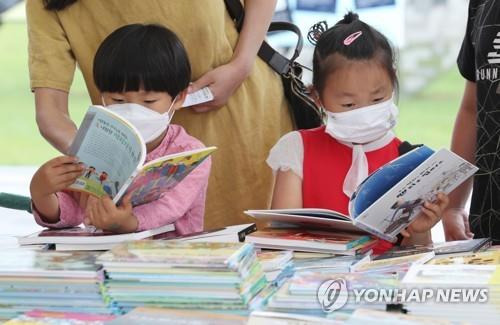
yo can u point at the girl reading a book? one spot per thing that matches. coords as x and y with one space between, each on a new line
354 81
142 73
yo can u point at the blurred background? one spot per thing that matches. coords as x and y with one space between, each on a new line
427 35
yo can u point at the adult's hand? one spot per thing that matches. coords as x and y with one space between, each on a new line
456 224
225 79
222 81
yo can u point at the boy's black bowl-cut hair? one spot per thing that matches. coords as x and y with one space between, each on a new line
137 56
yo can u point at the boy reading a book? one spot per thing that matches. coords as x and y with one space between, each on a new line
354 80
143 73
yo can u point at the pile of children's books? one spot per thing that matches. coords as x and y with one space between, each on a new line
222 281
277 265
176 274
62 281
465 287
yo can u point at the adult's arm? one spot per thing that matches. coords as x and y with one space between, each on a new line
51 66
456 218
225 79
52 117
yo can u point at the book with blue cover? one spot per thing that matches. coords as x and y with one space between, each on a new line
388 199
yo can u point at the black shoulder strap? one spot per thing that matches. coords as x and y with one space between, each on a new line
276 61
406 147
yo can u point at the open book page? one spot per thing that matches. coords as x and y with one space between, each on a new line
314 218
162 174
442 171
111 149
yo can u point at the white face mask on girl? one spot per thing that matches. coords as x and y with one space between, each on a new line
148 122
363 125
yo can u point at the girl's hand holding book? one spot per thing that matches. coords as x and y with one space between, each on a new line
430 215
104 214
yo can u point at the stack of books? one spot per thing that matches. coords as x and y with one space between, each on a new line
88 238
299 295
309 240
463 287
62 281
177 274
277 265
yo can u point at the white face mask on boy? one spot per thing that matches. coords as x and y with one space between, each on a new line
148 122
364 129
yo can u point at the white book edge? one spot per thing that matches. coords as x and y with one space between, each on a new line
108 239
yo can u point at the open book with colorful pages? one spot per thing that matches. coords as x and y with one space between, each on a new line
389 198
114 153
308 240
82 238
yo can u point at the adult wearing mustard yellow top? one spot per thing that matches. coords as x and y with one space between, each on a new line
247 116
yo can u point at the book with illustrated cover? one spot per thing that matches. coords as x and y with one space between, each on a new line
154 254
81 238
274 260
451 248
308 240
480 258
445 275
390 198
31 263
114 155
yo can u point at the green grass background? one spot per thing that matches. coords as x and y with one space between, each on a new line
424 118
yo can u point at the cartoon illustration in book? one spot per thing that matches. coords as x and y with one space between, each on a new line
404 210
89 172
103 176
107 188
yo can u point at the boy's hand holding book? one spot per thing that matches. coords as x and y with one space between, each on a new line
53 176
102 213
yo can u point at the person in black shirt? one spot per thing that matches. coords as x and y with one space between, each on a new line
476 135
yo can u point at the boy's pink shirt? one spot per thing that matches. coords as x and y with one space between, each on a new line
183 205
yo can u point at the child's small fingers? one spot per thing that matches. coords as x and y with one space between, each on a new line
405 233
69 168
108 204
63 160
432 206
101 210
432 216
126 203
69 177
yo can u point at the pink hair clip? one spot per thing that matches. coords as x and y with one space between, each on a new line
351 38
